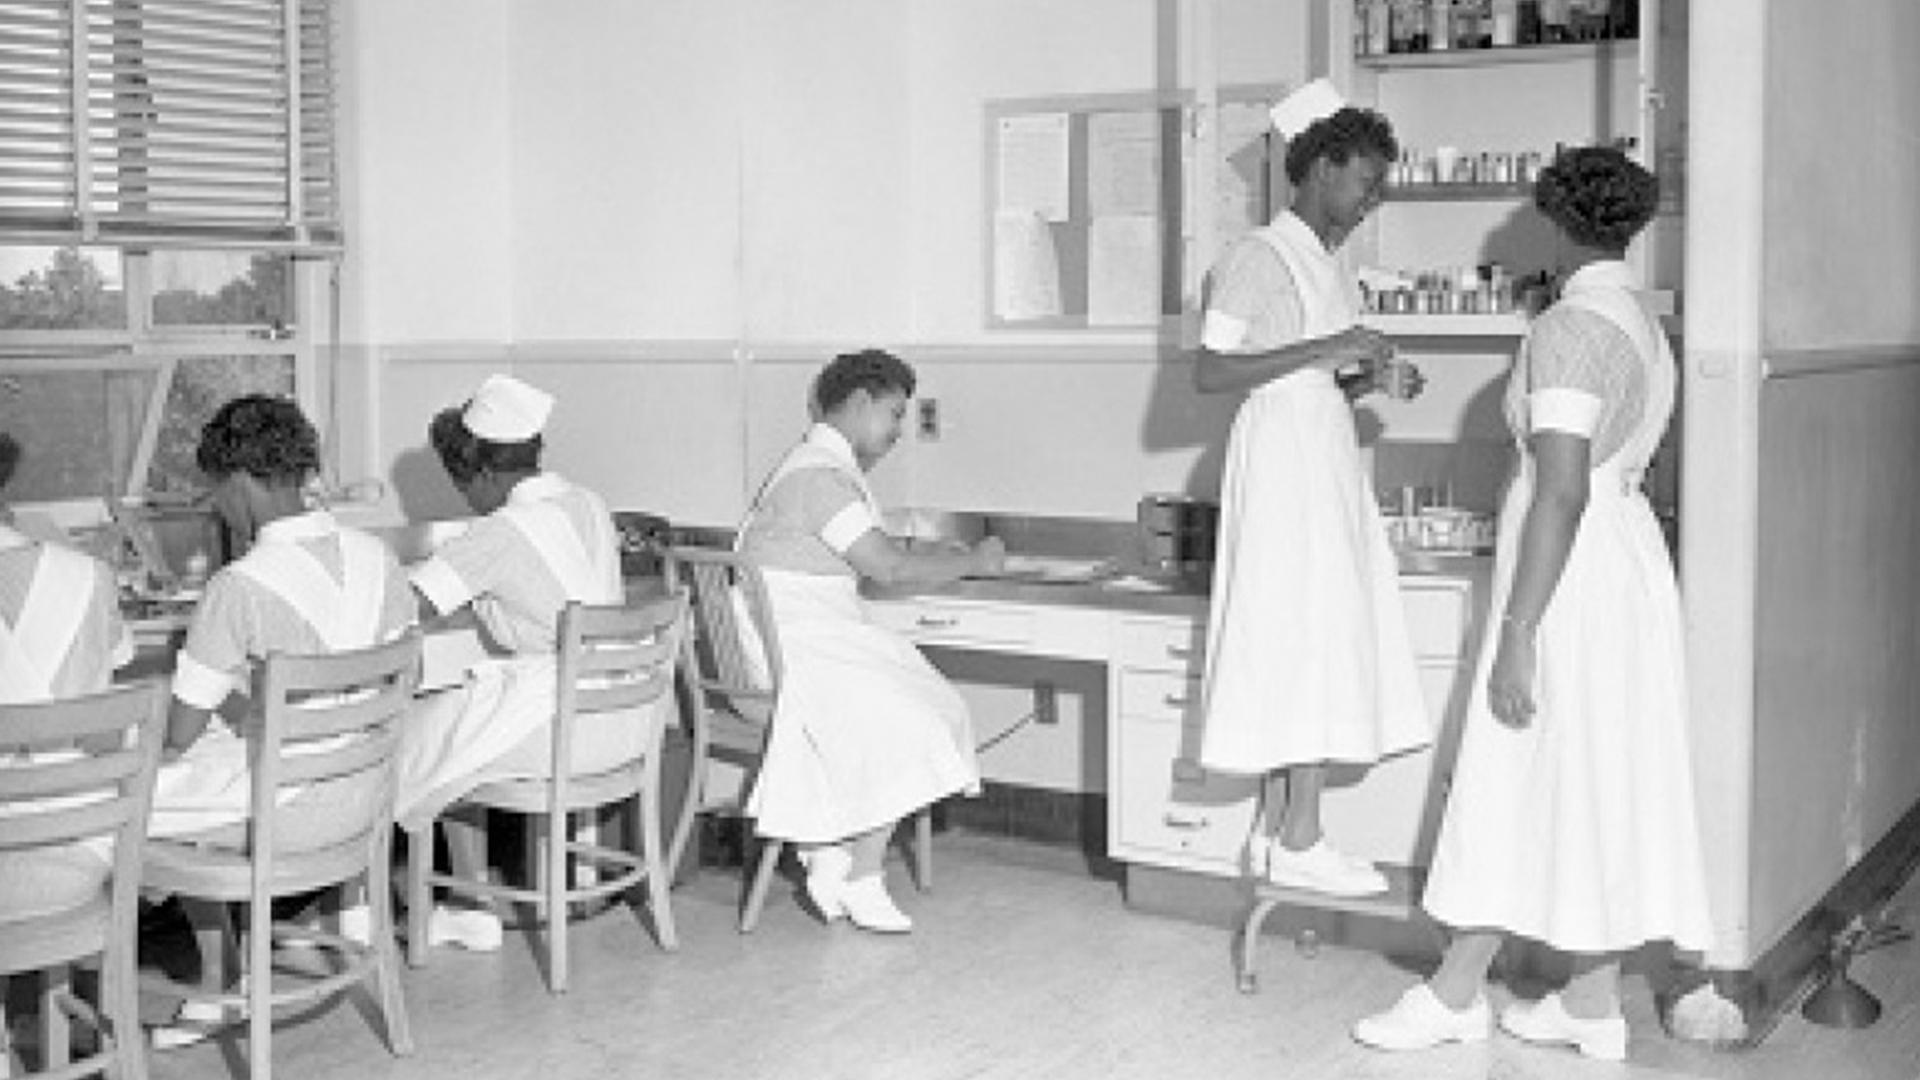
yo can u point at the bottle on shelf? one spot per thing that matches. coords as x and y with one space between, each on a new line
1505 30
1528 22
1440 25
1556 21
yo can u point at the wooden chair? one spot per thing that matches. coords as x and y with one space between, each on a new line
322 761
733 670
616 665
88 780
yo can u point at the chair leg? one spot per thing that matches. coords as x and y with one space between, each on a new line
56 1034
120 1001
555 837
386 956
658 895
259 977
757 888
419 896
923 848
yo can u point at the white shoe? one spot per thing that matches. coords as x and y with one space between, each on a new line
1321 869
196 1022
866 902
827 868
356 924
1547 1021
469 928
1419 1021
1260 851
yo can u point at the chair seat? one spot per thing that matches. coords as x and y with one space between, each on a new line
528 795
222 873
55 938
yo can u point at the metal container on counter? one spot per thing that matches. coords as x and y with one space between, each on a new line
1177 532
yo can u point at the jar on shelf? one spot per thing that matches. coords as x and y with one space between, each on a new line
1505 31
1439 25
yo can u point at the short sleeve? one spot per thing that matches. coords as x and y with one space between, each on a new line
1248 286
832 507
1574 412
1565 350
213 662
466 565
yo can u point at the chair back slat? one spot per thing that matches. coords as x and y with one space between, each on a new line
57 773
624 694
97 783
353 757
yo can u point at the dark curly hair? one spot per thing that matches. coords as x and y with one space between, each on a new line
9 458
1598 195
1339 138
263 436
874 370
465 455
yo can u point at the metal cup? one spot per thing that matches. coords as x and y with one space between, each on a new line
1397 378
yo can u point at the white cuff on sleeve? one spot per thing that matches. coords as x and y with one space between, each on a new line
200 686
1557 408
1222 332
441 585
850 524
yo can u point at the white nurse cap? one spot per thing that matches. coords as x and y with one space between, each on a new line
1299 110
507 410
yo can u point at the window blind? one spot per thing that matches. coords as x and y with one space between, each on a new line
150 123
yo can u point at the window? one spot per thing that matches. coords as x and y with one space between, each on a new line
167 197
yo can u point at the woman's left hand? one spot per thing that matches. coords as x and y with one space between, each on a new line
1510 683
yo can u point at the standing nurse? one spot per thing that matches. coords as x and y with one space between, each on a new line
1308 661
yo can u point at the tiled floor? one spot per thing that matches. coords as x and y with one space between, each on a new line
1021 967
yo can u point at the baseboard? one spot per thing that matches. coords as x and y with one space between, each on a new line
1074 820
1783 975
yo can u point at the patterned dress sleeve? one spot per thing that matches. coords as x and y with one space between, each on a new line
1567 384
1251 300
832 507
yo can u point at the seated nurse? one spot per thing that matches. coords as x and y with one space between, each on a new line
865 731
541 541
60 636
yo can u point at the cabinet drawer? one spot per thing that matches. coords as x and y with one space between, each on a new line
1162 644
1167 807
936 622
1172 697
1436 619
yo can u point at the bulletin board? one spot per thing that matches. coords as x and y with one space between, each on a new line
1090 220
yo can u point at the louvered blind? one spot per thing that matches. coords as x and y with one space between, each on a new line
168 122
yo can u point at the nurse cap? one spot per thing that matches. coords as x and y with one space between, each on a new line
507 410
1299 110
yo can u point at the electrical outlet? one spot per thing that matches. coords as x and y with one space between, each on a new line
929 419
1046 703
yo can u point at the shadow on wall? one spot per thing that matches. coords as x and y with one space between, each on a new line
423 489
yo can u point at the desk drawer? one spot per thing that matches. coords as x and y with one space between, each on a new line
1165 696
1161 644
1170 811
935 622
1436 619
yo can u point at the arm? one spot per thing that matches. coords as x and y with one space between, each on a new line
1217 372
185 724
880 558
1546 536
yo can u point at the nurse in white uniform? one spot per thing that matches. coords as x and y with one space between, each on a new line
1307 659
61 636
1571 817
540 543
865 731
306 584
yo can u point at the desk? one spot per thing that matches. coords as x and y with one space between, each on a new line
1163 810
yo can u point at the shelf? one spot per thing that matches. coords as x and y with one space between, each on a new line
1456 192
1506 325
1617 48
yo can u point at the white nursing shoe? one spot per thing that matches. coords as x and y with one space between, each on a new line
1547 1021
827 869
1421 1021
866 902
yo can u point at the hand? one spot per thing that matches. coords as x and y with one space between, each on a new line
1510 683
990 555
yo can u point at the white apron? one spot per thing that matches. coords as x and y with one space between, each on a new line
1580 830
32 651
495 725
211 784
865 731
1307 656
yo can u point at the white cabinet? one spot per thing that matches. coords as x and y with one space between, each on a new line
1165 811
1513 101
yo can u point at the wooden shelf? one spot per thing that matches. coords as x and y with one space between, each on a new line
1453 192
1616 48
